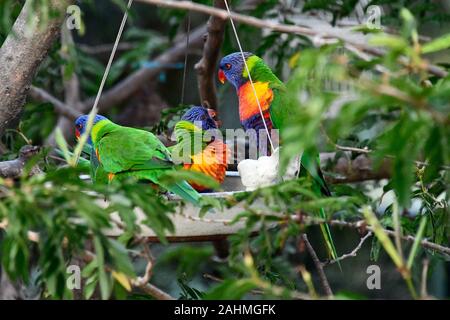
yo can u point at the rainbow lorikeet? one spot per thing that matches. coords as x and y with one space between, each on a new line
98 175
276 107
124 151
210 156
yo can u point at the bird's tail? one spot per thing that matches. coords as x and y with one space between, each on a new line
185 191
326 232
312 165
181 188
325 227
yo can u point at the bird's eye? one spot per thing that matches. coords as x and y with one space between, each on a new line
228 66
79 126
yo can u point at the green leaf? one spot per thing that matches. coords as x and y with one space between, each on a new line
417 240
438 44
105 284
90 285
375 249
382 236
390 41
409 24
231 289
62 143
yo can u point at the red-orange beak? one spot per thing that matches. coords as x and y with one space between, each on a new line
77 134
222 77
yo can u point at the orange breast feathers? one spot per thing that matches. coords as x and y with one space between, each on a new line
248 107
212 162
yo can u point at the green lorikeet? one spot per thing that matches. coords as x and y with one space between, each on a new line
124 151
276 108
210 155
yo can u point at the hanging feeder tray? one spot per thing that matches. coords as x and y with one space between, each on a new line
189 226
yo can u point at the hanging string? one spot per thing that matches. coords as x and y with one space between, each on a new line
249 76
188 31
94 110
111 57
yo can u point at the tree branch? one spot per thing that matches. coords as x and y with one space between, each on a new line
359 169
121 91
14 168
60 107
329 32
106 48
319 266
21 54
362 224
350 254
148 288
207 66
125 88
155 292
89 256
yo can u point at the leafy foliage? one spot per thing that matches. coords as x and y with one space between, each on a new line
65 212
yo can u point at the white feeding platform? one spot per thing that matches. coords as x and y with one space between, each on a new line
188 224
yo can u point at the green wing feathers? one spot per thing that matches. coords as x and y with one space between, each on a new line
181 188
185 191
126 151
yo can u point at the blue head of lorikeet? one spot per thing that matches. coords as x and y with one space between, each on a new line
199 114
81 122
232 68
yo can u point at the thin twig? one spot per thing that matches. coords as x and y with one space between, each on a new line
56 158
15 168
350 254
323 278
365 150
265 24
148 288
89 256
362 223
60 107
106 48
143 281
391 91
